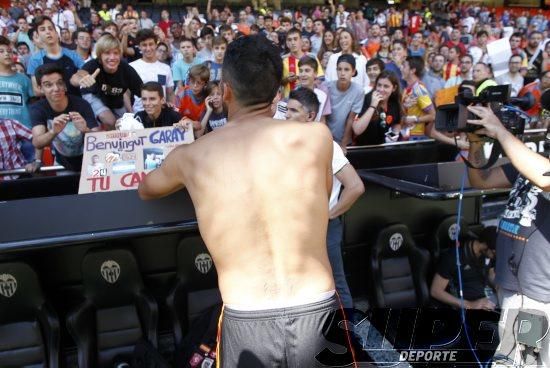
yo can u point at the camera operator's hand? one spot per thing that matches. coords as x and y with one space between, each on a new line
491 125
530 164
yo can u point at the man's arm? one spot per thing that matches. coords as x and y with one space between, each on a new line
353 188
437 291
348 131
518 152
209 10
492 177
170 95
165 180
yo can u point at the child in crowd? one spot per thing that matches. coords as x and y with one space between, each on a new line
374 68
181 68
215 115
307 74
192 104
346 99
219 45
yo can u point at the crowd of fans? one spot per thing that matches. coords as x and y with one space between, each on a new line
68 68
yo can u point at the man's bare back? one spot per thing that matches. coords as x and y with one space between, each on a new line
260 189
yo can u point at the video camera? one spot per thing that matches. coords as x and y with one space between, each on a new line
453 117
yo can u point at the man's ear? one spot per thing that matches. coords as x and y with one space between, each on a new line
311 116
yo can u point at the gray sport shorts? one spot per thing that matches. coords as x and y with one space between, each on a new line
286 337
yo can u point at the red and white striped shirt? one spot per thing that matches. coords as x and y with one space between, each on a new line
12 133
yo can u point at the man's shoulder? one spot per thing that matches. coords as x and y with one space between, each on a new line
138 63
170 113
39 105
71 53
312 133
356 88
37 55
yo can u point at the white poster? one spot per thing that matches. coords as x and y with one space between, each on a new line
499 53
119 160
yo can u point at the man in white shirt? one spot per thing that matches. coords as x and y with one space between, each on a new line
303 106
513 76
150 69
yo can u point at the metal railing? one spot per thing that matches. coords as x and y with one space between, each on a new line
20 171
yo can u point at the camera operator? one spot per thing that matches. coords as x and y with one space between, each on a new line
523 239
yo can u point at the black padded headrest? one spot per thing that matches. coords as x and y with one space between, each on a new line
20 293
195 265
111 277
393 241
447 230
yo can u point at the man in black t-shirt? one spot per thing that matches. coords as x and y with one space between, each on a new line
475 271
105 80
156 113
523 240
60 120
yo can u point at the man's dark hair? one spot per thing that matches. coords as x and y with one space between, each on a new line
308 60
293 31
22 17
517 35
146 34
4 41
185 39
205 31
21 43
482 33
254 69
376 61
417 64
468 56
78 31
153 87
41 19
108 24
219 40
255 28
47 69
31 32
284 20
306 97
268 17
224 28
401 42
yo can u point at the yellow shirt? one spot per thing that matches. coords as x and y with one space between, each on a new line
423 101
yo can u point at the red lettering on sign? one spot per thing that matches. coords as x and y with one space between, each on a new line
104 183
132 180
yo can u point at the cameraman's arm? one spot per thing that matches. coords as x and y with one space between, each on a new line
492 177
515 149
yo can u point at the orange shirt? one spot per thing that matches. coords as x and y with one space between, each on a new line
191 106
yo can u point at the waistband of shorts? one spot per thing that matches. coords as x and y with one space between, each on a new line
327 304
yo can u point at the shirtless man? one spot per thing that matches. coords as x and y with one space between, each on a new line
260 189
